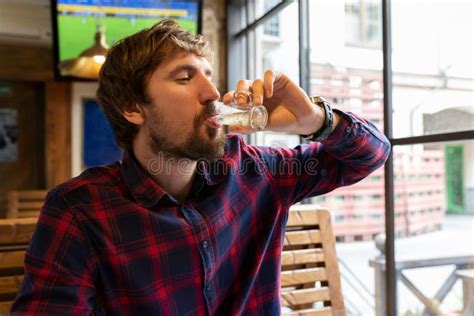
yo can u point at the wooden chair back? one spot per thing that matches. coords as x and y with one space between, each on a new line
310 280
25 203
15 235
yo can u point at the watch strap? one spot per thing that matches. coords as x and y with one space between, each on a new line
326 128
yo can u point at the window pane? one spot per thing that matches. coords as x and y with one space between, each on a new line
258 8
350 77
363 20
277 48
277 43
433 83
434 212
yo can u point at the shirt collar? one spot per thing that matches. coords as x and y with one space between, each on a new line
148 193
215 172
142 187
212 172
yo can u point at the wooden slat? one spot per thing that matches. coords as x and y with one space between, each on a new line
325 311
305 237
302 276
12 259
298 217
32 194
5 308
10 285
16 230
309 240
304 256
25 203
304 296
28 213
30 205
331 263
15 233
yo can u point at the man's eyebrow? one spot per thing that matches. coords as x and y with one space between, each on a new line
180 68
186 67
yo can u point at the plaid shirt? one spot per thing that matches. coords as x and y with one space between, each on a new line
113 242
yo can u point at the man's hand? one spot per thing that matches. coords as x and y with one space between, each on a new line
289 108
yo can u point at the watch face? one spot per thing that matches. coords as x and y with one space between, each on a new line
318 99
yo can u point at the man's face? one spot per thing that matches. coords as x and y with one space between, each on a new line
175 122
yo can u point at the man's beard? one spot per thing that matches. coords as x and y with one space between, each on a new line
196 147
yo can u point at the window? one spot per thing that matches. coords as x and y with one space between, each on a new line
429 215
272 25
268 52
277 54
431 110
363 20
432 70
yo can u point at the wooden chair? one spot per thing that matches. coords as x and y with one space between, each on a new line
15 234
310 280
25 203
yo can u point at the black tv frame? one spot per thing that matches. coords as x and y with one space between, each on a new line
54 25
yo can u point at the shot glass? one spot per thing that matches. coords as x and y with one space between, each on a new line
249 115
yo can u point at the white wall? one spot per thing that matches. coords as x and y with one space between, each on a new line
25 22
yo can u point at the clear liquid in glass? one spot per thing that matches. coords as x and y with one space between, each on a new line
254 117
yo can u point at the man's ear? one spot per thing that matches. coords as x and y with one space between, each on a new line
134 114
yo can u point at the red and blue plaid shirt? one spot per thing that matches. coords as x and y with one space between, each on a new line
113 242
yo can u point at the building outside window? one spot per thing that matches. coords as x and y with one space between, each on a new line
272 25
363 22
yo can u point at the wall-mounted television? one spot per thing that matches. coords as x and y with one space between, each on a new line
75 22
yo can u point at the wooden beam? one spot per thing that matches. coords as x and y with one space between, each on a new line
26 63
58 133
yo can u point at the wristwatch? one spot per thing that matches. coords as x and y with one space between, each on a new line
326 129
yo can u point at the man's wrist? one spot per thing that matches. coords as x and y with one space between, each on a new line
330 121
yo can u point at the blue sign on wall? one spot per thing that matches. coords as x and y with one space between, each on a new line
99 138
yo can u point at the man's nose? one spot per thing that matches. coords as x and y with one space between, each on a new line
209 91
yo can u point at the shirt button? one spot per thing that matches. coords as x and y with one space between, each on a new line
348 129
205 244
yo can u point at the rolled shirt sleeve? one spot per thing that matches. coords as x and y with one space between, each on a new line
353 150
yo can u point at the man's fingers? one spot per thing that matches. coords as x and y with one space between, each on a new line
228 97
242 92
268 80
257 92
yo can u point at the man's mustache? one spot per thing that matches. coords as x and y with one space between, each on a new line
209 111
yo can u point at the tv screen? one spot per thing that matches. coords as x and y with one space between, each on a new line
75 23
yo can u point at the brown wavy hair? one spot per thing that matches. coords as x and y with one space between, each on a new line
125 74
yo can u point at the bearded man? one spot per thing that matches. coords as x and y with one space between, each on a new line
191 221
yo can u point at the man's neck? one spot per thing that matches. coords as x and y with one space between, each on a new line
174 175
